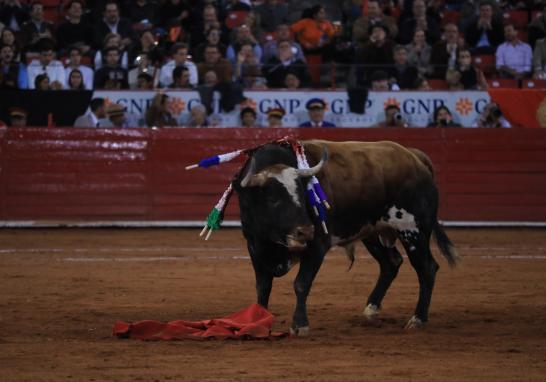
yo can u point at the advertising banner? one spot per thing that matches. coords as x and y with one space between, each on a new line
416 108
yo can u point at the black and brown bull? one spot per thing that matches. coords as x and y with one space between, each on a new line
379 192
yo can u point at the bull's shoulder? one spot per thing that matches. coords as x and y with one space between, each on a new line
349 149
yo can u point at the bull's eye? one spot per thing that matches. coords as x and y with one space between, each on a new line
273 202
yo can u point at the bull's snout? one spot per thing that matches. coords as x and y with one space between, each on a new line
297 240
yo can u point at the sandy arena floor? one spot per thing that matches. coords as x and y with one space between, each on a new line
62 290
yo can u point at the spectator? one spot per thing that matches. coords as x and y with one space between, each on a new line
316 108
45 64
491 116
464 76
275 116
75 58
513 57
402 73
74 31
243 36
158 114
116 116
362 26
18 117
537 27
248 117
292 81
375 54
282 33
444 53
111 40
96 111
285 62
41 82
111 76
380 82
36 28
271 14
200 26
215 62
112 23
314 34
179 53
422 84
198 116
146 45
13 75
181 78
143 12
419 20
8 38
75 80
442 117
145 81
143 65
13 14
236 6
213 38
393 117
174 12
251 20
539 59
247 67
210 79
484 32
419 52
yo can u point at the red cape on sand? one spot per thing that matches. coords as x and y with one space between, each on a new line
253 322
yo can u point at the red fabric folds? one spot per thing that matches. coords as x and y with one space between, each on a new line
521 107
253 322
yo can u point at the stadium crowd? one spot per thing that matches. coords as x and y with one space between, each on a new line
381 45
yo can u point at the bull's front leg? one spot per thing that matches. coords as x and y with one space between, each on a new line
264 283
309 266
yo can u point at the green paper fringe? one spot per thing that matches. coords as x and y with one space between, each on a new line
214 219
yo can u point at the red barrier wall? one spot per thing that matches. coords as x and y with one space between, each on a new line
75 175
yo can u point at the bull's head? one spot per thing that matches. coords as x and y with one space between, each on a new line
274 202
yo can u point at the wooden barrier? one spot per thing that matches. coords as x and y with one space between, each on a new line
86 175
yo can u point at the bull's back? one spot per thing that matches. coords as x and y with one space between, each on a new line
367 172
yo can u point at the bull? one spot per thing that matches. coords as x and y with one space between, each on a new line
380 193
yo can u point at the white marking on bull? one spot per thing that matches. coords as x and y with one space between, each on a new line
287 178
402 221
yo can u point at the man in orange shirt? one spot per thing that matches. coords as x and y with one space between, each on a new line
314 33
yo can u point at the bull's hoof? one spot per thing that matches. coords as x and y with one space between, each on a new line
299 332
370 312
414 323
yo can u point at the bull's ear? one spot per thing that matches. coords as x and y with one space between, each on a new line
304 173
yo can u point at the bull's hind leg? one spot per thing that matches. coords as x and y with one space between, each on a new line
389 260
418 249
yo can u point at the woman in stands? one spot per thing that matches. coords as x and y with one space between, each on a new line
419 53
41 82
8 38
75 80
158 114
464 76
442 117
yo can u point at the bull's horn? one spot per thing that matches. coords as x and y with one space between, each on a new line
251 169
302 173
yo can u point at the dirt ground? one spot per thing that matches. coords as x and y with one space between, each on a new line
62 290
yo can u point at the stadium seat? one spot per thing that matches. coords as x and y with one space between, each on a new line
506 83
533 84
438 84
485 62
520 19
51 3
52 14
450 17
235 19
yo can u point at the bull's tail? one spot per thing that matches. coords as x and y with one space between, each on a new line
445 245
